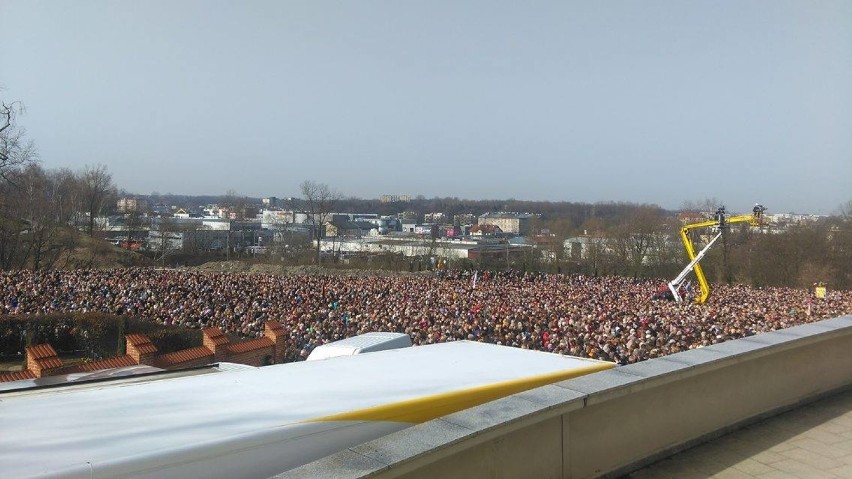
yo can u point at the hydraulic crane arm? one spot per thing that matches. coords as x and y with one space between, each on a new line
722 222
674 285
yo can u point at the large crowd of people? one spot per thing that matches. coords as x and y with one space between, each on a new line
609 318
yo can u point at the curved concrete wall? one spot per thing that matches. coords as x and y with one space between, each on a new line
615 421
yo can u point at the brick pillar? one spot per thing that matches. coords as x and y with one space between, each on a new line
42 360
274 331
216 341
141 349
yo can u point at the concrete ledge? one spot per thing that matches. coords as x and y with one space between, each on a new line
614 421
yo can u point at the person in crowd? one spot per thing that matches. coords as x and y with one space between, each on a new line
609 318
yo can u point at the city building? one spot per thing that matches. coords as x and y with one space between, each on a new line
131 205
395 199
271 202
515 223
437 217
464 219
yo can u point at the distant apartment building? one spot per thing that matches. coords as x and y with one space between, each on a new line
586 246
515 223
424 246
464 219
342 227
131 205
485 230
395 199
427 229
181 214
434 218
408 225
382 225
273 218
789 219
205 234
271 202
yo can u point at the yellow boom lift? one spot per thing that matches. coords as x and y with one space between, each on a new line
720 223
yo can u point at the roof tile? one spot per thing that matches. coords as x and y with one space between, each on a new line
250 345
275 326
110 363
44 355
216 335
41 351
142 343
17 376
184 356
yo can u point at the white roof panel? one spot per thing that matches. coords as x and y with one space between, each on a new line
366 340
60 428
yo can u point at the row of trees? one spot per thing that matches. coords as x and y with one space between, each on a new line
38 206
40 211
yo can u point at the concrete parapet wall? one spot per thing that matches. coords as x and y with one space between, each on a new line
615 421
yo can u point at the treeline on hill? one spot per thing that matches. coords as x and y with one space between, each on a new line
799 256
623 238
43 212
92 335
796 256
575 212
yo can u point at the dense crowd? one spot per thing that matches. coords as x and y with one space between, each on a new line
609 318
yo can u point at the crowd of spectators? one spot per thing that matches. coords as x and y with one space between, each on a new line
608 318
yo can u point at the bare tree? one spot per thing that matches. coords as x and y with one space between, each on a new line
66 195
37 212
97 190
706 205
235 204
279 223
596 255
665 251
633 240
12 226
320 201
15 151
845 210
133 221
552 236
166 238
841 247
33 230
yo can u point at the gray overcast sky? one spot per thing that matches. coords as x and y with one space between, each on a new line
648 102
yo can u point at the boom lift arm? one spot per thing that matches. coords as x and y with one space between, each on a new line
721 222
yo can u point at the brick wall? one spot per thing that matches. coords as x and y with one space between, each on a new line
141 349
278 335
42 360
185 358
269 349
215 340
258 357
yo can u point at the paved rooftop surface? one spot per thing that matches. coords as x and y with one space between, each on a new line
814 441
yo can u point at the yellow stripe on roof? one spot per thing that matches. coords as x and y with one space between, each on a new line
426 408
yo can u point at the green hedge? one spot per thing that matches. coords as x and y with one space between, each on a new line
100 335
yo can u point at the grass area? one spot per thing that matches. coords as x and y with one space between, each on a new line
89 252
